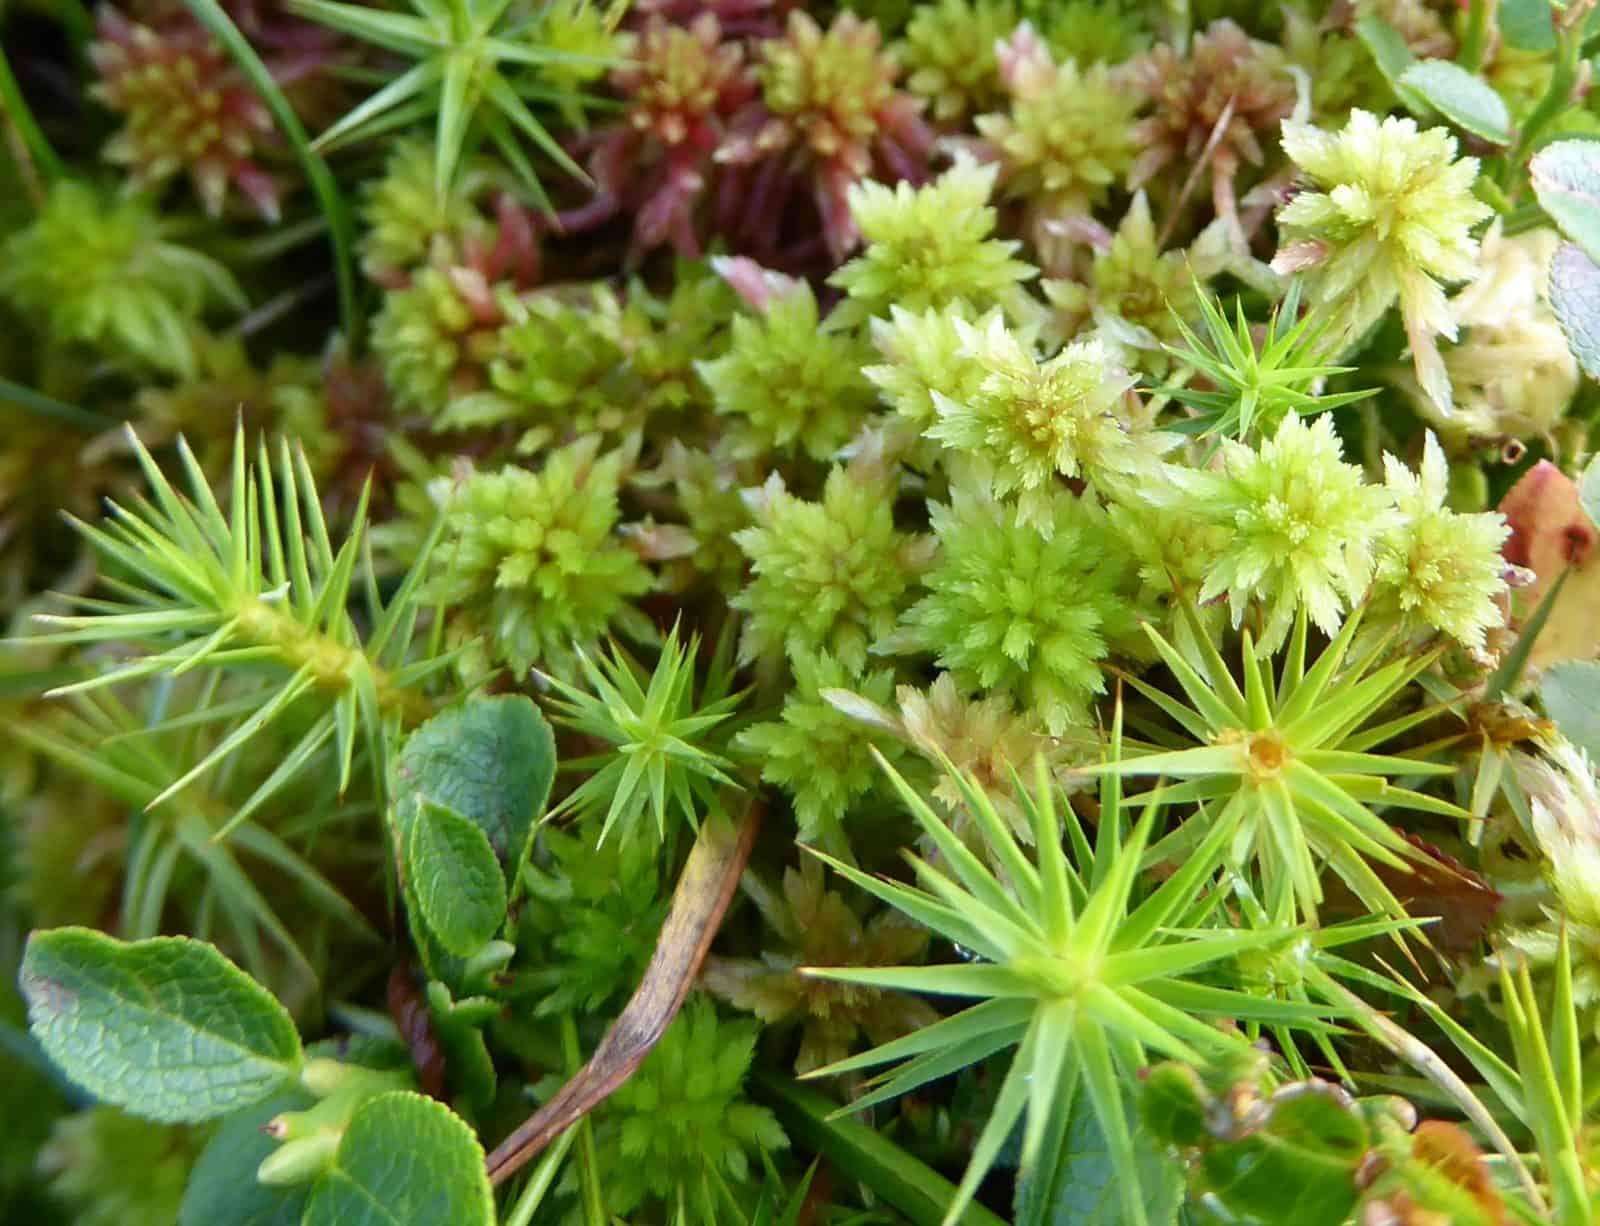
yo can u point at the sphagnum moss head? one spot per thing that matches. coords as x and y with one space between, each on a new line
1072 967
1387 215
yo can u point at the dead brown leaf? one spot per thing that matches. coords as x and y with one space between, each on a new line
1551 533
704 891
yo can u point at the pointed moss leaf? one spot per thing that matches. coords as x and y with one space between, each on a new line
1464 99
1575 294
1566 178
1527 25
404 1160
1298 1168
166 1028
1077 1183
1571 694
223 1189
458 883
492 761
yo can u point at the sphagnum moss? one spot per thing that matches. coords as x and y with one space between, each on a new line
1059 440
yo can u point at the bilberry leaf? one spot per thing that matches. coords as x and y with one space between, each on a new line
492 761
1571 694
165 1028
1464 99
222 1189
1575 294
1566 178
404 1159
456 880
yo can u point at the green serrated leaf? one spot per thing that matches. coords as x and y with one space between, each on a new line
1464 98
404 1160
1566 178
492 761
165 1028
1076 1180
1389 52
1571 694
1298 1168
459 885
1575 295
222 1188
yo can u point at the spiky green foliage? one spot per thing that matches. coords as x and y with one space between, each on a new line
815 752
1389 215
811 925
1443 570
1543 1082
216 855
928 247
534 561
677 1136
1289 761
790 385
1081 975
1029 422
204 588
949 55
1251 385
105 272
1303 526
588 923
477 65
1014 608
661 734
831 575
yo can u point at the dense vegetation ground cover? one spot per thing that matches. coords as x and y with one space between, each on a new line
740 611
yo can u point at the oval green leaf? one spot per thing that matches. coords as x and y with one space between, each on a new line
403 1160
222 1188
1566 178
491 760
456 880
1464 99
167 1028
1571 694
1575 295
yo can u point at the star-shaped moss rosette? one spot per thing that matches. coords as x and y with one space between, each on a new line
1287 762
659 730
477 65
1252 383
1086 979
